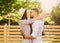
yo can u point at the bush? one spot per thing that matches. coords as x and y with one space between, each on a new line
56 14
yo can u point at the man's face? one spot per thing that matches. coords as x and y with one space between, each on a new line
32 13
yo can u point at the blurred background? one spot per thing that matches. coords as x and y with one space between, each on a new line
10 20
9 10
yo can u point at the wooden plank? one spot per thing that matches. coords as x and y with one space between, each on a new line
20 37
46 36
1 29
49 39
44 29
1 35
12 26
52 30
52 26
50 42
1 38
13 39
14 33
56 42
14 36
1 32
13 29
1 26
51 36
52 33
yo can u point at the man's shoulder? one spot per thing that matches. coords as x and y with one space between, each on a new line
36 22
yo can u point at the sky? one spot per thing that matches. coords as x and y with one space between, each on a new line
47 5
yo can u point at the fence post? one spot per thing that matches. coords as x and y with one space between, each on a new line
5 33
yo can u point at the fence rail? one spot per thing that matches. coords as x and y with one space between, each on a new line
11 34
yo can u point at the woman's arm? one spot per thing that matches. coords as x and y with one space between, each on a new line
27 21
29 37
35 31
43 16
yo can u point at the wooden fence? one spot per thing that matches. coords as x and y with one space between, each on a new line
11 34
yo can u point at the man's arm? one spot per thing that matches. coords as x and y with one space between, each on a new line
43 16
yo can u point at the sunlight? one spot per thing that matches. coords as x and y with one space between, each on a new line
47 5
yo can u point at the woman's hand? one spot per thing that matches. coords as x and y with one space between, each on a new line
29 37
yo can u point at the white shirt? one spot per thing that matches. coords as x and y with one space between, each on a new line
37 31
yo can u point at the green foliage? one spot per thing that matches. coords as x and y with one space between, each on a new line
12 6
56 14
7 6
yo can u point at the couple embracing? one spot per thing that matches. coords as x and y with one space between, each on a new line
32 28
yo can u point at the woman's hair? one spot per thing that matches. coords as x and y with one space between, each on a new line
24 15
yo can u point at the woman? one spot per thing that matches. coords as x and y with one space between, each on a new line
25 28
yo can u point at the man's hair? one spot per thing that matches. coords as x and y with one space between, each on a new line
36 9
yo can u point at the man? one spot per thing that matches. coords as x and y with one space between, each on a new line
37 26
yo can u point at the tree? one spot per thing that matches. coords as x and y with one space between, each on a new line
56 14
12 6
7 6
